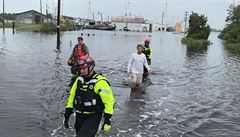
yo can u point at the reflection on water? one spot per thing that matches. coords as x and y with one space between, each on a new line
189 93
196 51
201 48
3 44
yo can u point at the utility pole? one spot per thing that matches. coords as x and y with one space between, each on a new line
3 16
185 20
126 16
89 10
128 5
41 6
46 9
165 12
162 17
41 11
93 16
101 18
58 25
47 12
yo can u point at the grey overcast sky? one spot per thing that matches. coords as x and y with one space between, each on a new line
215 10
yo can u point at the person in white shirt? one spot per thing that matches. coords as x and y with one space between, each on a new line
135 66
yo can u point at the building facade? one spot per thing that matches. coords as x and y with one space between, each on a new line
30 17
179 27
137 24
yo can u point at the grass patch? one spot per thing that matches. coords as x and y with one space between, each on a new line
233 47
195 45
48 27
28 27
7 25
44 27
23 27
195 42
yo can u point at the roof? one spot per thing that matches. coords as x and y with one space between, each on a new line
31 11
68 17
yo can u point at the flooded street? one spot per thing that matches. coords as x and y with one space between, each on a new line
190 93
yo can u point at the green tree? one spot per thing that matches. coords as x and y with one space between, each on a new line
198 28
232 30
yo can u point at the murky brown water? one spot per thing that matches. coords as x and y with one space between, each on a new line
191 93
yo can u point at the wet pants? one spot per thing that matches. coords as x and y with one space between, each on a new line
145 72
86 125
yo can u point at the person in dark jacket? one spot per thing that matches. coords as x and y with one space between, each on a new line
91 97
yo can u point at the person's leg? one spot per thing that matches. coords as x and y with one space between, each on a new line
138 79
140 76
134 80
90 126
78 123
145 72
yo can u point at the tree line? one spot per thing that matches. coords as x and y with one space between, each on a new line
198 31
232 29
8 16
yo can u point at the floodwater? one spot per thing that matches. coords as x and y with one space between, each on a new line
190 93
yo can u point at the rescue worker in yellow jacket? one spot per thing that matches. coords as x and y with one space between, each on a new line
91 97
147 50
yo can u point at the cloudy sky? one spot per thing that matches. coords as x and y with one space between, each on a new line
215 10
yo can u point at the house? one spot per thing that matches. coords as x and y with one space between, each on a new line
48 20
159 27
179 27
30 17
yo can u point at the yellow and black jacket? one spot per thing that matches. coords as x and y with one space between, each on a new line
148 52
91 96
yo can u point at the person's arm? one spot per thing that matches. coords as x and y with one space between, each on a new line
69 106
85 49
72 55
130 64
150 56
72 94
145 63
71 58
104 90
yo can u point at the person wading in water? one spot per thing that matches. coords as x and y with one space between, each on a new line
79 50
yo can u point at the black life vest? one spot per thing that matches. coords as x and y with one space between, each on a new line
86 100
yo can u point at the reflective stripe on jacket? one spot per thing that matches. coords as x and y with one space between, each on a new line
89 97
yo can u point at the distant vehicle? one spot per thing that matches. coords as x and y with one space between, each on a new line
170 29
126 29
